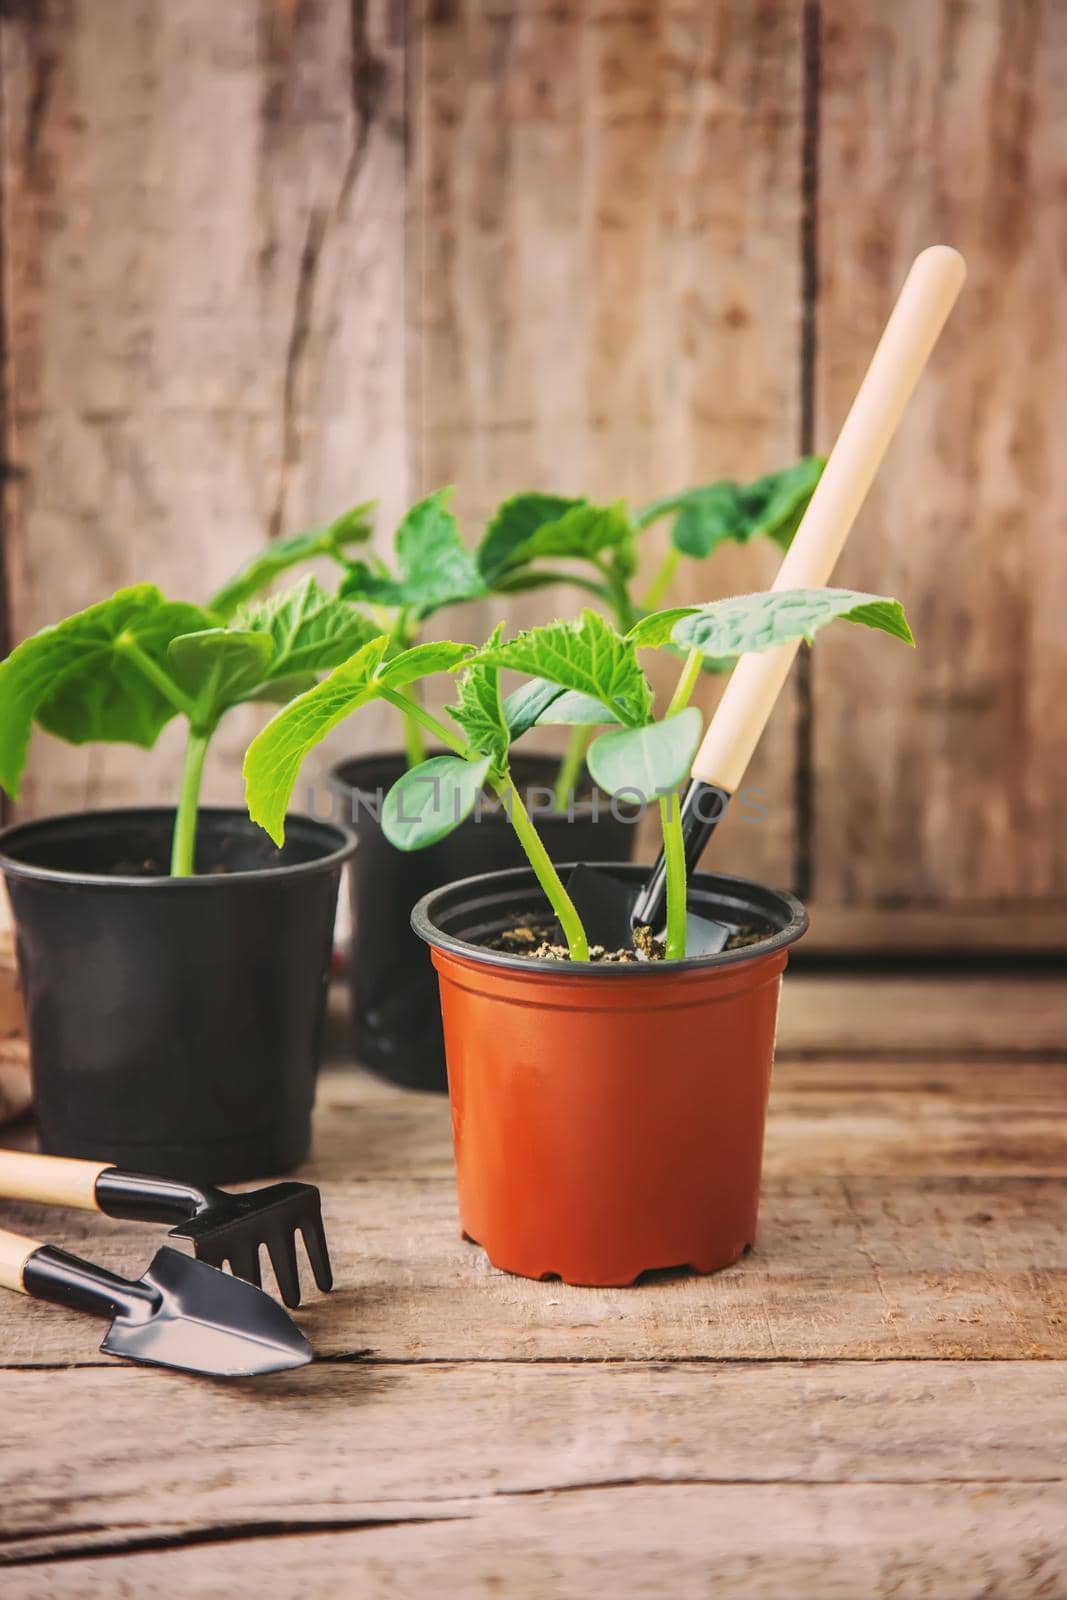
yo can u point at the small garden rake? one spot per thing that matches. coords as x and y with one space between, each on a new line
222 1228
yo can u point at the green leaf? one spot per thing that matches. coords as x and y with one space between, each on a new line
523 707
581 532
274 757
712 513
646 761
655 630
774 505
760 621
480 711
422 660
435 567
217 667
588 656
432 799
513 525
309 630
352 527
78 678
573 709
278 691
709 517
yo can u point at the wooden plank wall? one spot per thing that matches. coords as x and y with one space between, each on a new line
203 234
263 258
939 778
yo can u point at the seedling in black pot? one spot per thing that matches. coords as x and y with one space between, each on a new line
121 670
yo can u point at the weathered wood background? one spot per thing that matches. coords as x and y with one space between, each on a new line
265 258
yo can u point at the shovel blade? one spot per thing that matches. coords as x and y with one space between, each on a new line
606 904
198 1319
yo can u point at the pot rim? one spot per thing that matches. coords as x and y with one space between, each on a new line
422 920
12 867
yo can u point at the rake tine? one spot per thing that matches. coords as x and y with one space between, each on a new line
281 1246
314 1236
244 1262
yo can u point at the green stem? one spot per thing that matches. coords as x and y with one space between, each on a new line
161 680
687 682
417 713
414 743
570 767
674 858
546 874
183 847
661 582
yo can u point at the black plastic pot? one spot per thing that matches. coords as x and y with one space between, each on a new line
174 1023
394 987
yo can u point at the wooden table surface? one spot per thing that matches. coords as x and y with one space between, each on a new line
872 1403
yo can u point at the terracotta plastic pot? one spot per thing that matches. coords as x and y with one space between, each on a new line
607 1120
394 991
174 1023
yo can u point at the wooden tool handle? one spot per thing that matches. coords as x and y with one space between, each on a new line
920 313
50 1180
15 1251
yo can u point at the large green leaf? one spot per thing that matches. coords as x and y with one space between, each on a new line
750 622
649 761
435 567
480 710
513 524
712 513
274 757
218 667
351 528
578 532
432 799
309 630
588 656
78 678
422 660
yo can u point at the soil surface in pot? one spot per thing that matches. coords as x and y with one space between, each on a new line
144 852
540 941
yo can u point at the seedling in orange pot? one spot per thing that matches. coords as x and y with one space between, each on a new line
609 1091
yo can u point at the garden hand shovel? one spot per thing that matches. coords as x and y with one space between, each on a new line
221 1227
180 1313
609 909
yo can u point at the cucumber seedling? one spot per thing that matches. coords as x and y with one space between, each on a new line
584 673
534 541
120 671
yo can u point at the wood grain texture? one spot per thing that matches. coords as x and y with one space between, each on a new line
907 1212
872 1403
827 1543
939 776
203 251
606 260
369 1451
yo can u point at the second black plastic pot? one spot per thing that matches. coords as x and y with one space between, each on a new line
174 1023
394 987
